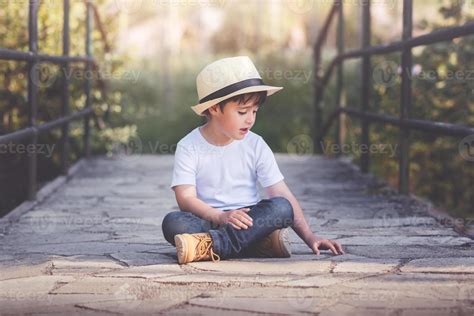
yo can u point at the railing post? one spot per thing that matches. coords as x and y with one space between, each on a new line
33 79
88 82
65 92
318 89
318 113
340 72
365 90
406 99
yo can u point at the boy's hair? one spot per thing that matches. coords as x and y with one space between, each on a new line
257 97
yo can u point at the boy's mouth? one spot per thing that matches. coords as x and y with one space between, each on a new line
244 130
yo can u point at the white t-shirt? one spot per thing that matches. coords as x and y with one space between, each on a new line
225 177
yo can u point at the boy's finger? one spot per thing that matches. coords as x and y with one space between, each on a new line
333 249
235 226
339 248
240 223
246 216
246 221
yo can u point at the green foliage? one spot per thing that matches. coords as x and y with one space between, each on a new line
13 90
443 85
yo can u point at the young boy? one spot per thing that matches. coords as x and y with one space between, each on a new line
215 176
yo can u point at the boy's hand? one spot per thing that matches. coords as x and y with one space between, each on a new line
237 218
325 244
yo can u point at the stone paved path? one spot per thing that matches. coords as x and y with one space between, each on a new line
95 247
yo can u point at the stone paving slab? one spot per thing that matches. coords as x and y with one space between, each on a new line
95 247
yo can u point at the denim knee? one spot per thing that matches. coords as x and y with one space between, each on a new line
171 226
284 209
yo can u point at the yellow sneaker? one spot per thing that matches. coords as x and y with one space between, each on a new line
275 245
194 247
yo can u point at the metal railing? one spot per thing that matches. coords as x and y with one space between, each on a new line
34 57
404 122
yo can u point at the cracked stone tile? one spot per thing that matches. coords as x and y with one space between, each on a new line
227 280
41 307
405 240
382 222
264 266
323 279
142 258
366 266
31 288
93 285
6 257
148 272
80 266
109 216
388 231
408 252
98 248
444 265
28 271
274 306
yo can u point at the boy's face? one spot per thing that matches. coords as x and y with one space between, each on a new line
236 119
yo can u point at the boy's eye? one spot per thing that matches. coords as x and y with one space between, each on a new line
243 113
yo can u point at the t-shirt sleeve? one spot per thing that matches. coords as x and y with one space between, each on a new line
184 171
268 172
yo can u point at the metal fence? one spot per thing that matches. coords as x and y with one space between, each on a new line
34 57
403 121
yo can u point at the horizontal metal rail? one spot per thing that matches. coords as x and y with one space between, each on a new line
441 128
9 54
28 132
422 40
33 57
404 122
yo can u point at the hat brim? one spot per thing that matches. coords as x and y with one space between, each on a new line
201 107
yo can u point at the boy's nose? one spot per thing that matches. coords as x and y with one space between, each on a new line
249 120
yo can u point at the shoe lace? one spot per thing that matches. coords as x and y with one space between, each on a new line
204 247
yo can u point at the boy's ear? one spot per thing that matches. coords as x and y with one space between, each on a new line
213 109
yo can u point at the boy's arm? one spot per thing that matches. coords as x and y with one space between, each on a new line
189 202
300 226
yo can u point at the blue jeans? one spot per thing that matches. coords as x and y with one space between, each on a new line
268 215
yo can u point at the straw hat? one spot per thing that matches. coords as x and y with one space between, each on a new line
226 78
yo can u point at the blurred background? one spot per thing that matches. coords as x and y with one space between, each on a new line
150 51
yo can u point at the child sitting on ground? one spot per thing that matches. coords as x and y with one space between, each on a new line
215 176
